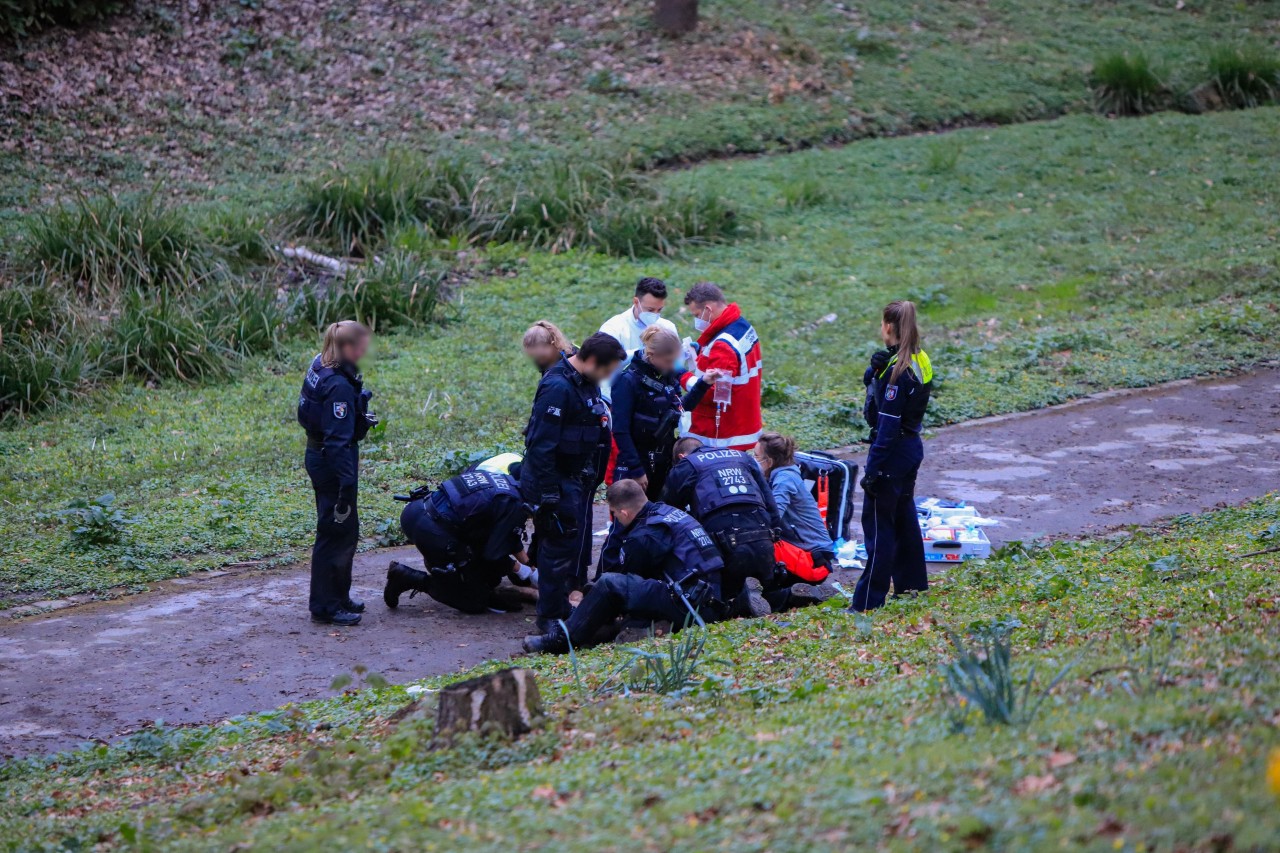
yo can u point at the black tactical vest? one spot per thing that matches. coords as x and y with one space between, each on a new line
693 550
471 492
724 478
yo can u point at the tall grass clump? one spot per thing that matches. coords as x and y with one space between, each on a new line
109 244
44 354
1245 76
354 210
404 288
160 336
613 209
982 678
1126 85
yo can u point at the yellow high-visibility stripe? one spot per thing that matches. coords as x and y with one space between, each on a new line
924 367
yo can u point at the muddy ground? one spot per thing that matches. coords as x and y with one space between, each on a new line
208 647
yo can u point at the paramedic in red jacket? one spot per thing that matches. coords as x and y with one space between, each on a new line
728 343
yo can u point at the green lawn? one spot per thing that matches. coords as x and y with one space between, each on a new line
240 98
810 730
1050 260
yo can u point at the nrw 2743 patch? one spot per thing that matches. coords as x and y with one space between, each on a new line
891 392
339 410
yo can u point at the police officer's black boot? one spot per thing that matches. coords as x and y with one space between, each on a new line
554 642
353 605
401 579
750 603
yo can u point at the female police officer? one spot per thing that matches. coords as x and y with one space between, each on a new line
898 384
334 410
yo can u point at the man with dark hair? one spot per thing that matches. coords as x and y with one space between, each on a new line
670 571
468 531
567 445
726 491
727 343
645 311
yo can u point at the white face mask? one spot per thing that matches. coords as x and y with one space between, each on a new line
700 324
648 318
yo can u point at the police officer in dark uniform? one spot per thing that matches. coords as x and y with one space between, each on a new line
647 406
898 382
334 410
670 570
567 446
726 491
468 531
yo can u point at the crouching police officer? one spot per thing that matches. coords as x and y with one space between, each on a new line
468 531
726 491
670 570
334 410
567 446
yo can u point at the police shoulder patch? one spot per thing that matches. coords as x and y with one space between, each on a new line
339 410
553 411
891 393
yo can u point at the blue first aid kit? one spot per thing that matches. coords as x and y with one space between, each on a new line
952 531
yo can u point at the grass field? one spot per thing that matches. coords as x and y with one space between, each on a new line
239 99
1050 260
812 730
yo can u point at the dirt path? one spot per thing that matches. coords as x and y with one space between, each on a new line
205 648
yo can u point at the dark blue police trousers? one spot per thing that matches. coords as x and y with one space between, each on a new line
335 545
895 548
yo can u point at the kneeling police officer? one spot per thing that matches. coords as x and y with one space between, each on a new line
726 491
468 531
670 570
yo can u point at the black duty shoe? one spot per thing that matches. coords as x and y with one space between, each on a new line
553 643
750 602
341 618
546 625
401 579
354 605
807 594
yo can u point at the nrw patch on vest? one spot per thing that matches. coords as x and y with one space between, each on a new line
339 410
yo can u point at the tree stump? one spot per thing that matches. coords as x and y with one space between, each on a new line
507 702
676 17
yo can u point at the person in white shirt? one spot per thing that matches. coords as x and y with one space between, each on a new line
627 327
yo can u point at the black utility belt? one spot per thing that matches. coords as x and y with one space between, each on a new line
735 537
314 443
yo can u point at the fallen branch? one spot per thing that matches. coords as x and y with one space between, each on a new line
337 266
1260 553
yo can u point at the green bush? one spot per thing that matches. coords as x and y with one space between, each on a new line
106 245
96 522
1245 76
22 17
1126 85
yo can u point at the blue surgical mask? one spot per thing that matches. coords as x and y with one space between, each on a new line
648 318
700 324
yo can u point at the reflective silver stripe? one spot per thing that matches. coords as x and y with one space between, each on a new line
712 441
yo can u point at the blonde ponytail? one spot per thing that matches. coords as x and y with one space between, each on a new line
901 315
338 336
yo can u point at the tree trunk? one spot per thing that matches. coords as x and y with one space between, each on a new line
507 702
676 17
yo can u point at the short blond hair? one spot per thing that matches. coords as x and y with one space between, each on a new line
339 335
659 341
